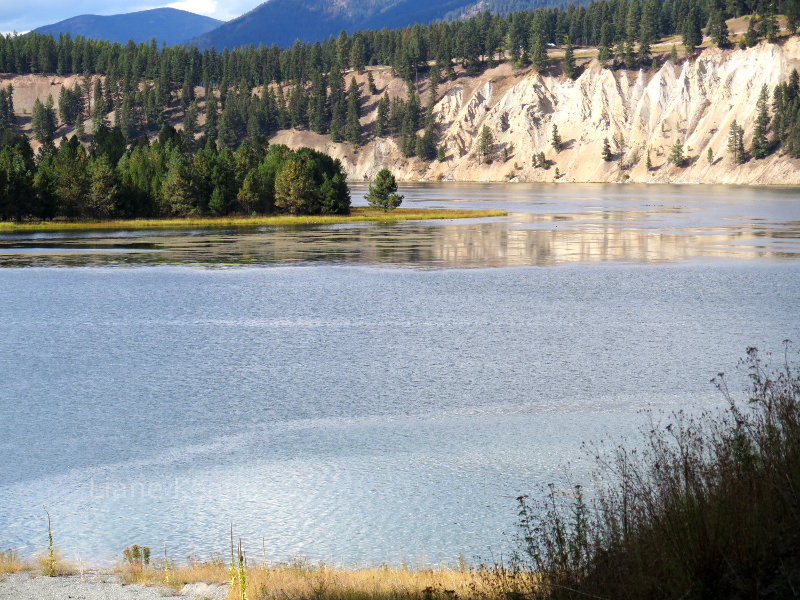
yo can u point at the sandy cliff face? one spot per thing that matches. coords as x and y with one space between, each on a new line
638 112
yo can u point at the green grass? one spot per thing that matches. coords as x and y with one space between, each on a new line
357 215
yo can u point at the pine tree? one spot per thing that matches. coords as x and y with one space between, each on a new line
673 54
676 154
99 108
177 198
604 51
760 145
718 29
352 131
383 191
295 190
318 105
103 189
751 36
792 10
371 84
486 145
736 143
647 30
649 163
606 153
426 146
382 120
80 130
43 120
298 108
555 140
408 136
336 128
212 114
190 122
434 79
768 25
710 156
538 53
6 108
692 32
569 59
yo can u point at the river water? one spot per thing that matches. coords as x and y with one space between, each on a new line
369 393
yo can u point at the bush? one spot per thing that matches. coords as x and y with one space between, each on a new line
708 507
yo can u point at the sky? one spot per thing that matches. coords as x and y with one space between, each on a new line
30 14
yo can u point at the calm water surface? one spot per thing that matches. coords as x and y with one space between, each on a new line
360 394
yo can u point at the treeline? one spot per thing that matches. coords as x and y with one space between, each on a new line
166 178
304 86
776 127
483 38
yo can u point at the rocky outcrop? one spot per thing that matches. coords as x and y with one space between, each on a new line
638 112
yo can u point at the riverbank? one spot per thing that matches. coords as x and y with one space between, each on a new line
92 585
211 581
357 215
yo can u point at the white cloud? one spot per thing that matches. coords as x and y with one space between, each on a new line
200 7
212 8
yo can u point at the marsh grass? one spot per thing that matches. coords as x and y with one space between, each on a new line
357 215
707 506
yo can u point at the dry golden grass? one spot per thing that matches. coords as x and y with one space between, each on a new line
54 566
305 582
10 563
357 215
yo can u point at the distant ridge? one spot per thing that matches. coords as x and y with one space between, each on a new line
168 25
282 22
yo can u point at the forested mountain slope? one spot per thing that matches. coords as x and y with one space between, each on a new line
167 25
282 22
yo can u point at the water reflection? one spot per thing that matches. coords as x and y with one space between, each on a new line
547 225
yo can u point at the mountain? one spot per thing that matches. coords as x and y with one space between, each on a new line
168 25
284 21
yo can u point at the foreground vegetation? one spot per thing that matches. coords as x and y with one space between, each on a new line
304 581
357 215
708 507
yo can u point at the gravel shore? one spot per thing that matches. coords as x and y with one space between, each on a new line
95 585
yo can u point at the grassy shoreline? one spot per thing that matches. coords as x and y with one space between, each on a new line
357 215
297 580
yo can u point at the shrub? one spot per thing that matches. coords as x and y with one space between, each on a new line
707 507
